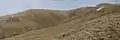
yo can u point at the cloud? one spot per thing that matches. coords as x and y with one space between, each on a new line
110 1
88 5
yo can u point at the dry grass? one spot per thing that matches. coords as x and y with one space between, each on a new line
78 24
30 20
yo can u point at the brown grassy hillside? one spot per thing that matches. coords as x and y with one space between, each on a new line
78 24
32 19
104 27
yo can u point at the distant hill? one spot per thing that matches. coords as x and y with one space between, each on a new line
30 20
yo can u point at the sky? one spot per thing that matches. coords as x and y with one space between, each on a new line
13 6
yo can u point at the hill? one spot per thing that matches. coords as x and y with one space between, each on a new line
78 24
32 19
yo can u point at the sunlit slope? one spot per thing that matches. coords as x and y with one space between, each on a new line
30 20
104 27
80 24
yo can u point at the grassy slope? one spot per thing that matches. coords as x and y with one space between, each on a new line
30 20
82 16
104 27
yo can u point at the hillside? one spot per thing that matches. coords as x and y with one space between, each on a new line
32 19
78 24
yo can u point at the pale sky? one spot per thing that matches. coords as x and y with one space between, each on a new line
11 6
